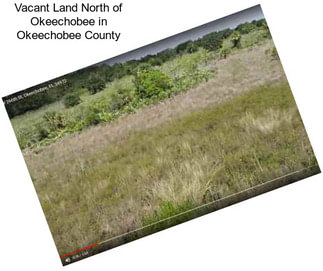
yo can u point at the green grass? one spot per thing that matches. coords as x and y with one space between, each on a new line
152 174
166 210
148 175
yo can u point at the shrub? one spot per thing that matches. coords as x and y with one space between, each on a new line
224 52
72 100
42 133
92 118
151 83
141 66
54 120
236 39
116 104
119 100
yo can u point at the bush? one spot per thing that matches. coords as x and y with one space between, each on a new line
142 66
152 83
42 133
54 120
120 99
224 52
92 114
72 100
236 39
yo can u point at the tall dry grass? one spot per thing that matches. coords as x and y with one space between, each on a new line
161 171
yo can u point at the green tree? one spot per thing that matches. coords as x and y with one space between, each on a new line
94 84
245 28
192 47
213 41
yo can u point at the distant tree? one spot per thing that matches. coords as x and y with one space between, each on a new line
94 84
245 28
213 41
187 47
192 47
166 54
225 33
258 23
155 61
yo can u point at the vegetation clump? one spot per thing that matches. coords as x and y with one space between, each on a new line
72 99
236 39
152 84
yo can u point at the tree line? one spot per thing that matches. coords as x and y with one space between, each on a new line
95 78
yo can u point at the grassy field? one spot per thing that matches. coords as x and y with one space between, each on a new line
151 174
229 122
246 69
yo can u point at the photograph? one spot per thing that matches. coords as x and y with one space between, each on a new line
160 135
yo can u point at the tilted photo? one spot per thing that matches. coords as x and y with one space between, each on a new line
160 135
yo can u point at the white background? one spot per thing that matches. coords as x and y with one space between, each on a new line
280 230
